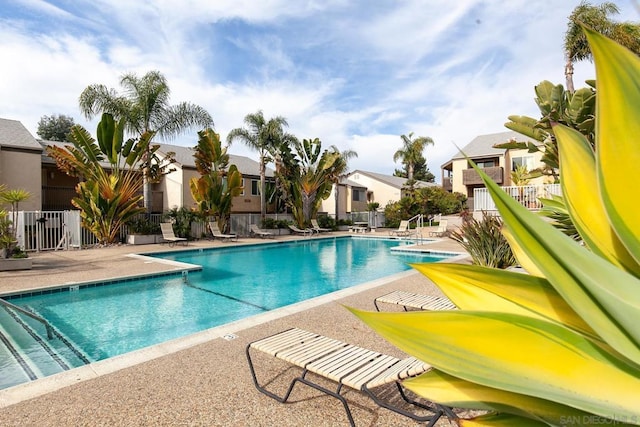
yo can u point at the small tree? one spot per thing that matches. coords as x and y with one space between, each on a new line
55 127
107 198
219 183
8 232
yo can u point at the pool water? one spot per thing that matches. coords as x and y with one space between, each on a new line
234 283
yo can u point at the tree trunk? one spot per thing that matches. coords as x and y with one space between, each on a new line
568 74
263 189
146 190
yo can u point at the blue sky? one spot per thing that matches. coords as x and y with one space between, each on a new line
355 73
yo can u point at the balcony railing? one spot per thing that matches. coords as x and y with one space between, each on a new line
471 177
446 184
527 195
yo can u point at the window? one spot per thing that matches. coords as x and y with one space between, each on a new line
485 164
255 187
522 161
359 195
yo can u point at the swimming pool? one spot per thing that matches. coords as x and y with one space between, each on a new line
98 322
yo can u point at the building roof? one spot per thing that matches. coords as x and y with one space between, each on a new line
13 134
482 145
394 181
184 157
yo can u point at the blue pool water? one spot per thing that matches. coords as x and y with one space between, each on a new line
234 283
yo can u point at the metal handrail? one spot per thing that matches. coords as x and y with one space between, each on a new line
34 316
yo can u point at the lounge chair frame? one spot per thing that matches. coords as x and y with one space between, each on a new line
257 231
305 232
169 236
441 229
216 233
316 227
402 231
417 301
345 364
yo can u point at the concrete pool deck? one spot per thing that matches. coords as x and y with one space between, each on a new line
202 379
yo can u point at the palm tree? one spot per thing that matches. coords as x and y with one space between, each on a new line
144 106
265 137
576 47
411 152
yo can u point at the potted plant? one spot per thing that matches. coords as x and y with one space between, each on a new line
274 224
344 224
143 232
11 256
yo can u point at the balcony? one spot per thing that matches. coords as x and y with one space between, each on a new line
446 184
471 177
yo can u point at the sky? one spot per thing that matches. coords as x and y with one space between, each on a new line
356 74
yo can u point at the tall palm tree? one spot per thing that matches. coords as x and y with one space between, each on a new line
576 47
144 106
265 136
411 152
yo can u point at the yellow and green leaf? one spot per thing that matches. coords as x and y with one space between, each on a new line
579 185
473 287
531 356
500 420
458 393
617 130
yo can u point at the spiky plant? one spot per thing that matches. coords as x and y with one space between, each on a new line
483 240
561 345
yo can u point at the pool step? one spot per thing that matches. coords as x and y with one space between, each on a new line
25 351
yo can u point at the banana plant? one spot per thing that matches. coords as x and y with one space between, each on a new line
561 345
107 197
219 182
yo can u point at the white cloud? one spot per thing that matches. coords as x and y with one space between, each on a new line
354 74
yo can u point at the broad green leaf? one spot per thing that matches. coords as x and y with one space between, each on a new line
500 420
515 353
617 130
458 393
473 287
605 296
587 212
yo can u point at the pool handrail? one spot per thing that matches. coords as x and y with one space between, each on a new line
34 316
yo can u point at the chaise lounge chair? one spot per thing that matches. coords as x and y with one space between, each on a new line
169 236
441 229
216 233
305 232
402 231
417 301
346 365
256 231
316 227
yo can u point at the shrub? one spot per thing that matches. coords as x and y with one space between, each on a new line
484 241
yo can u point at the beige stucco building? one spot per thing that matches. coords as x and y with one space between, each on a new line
20 158
459 176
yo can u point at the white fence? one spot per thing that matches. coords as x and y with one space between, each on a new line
527 195
50 230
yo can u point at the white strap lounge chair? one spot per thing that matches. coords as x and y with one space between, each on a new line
346 365
402 231
217 234
417 301
256 231
440 230
169 236
316 227
305 232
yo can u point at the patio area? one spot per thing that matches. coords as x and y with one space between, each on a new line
202 379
